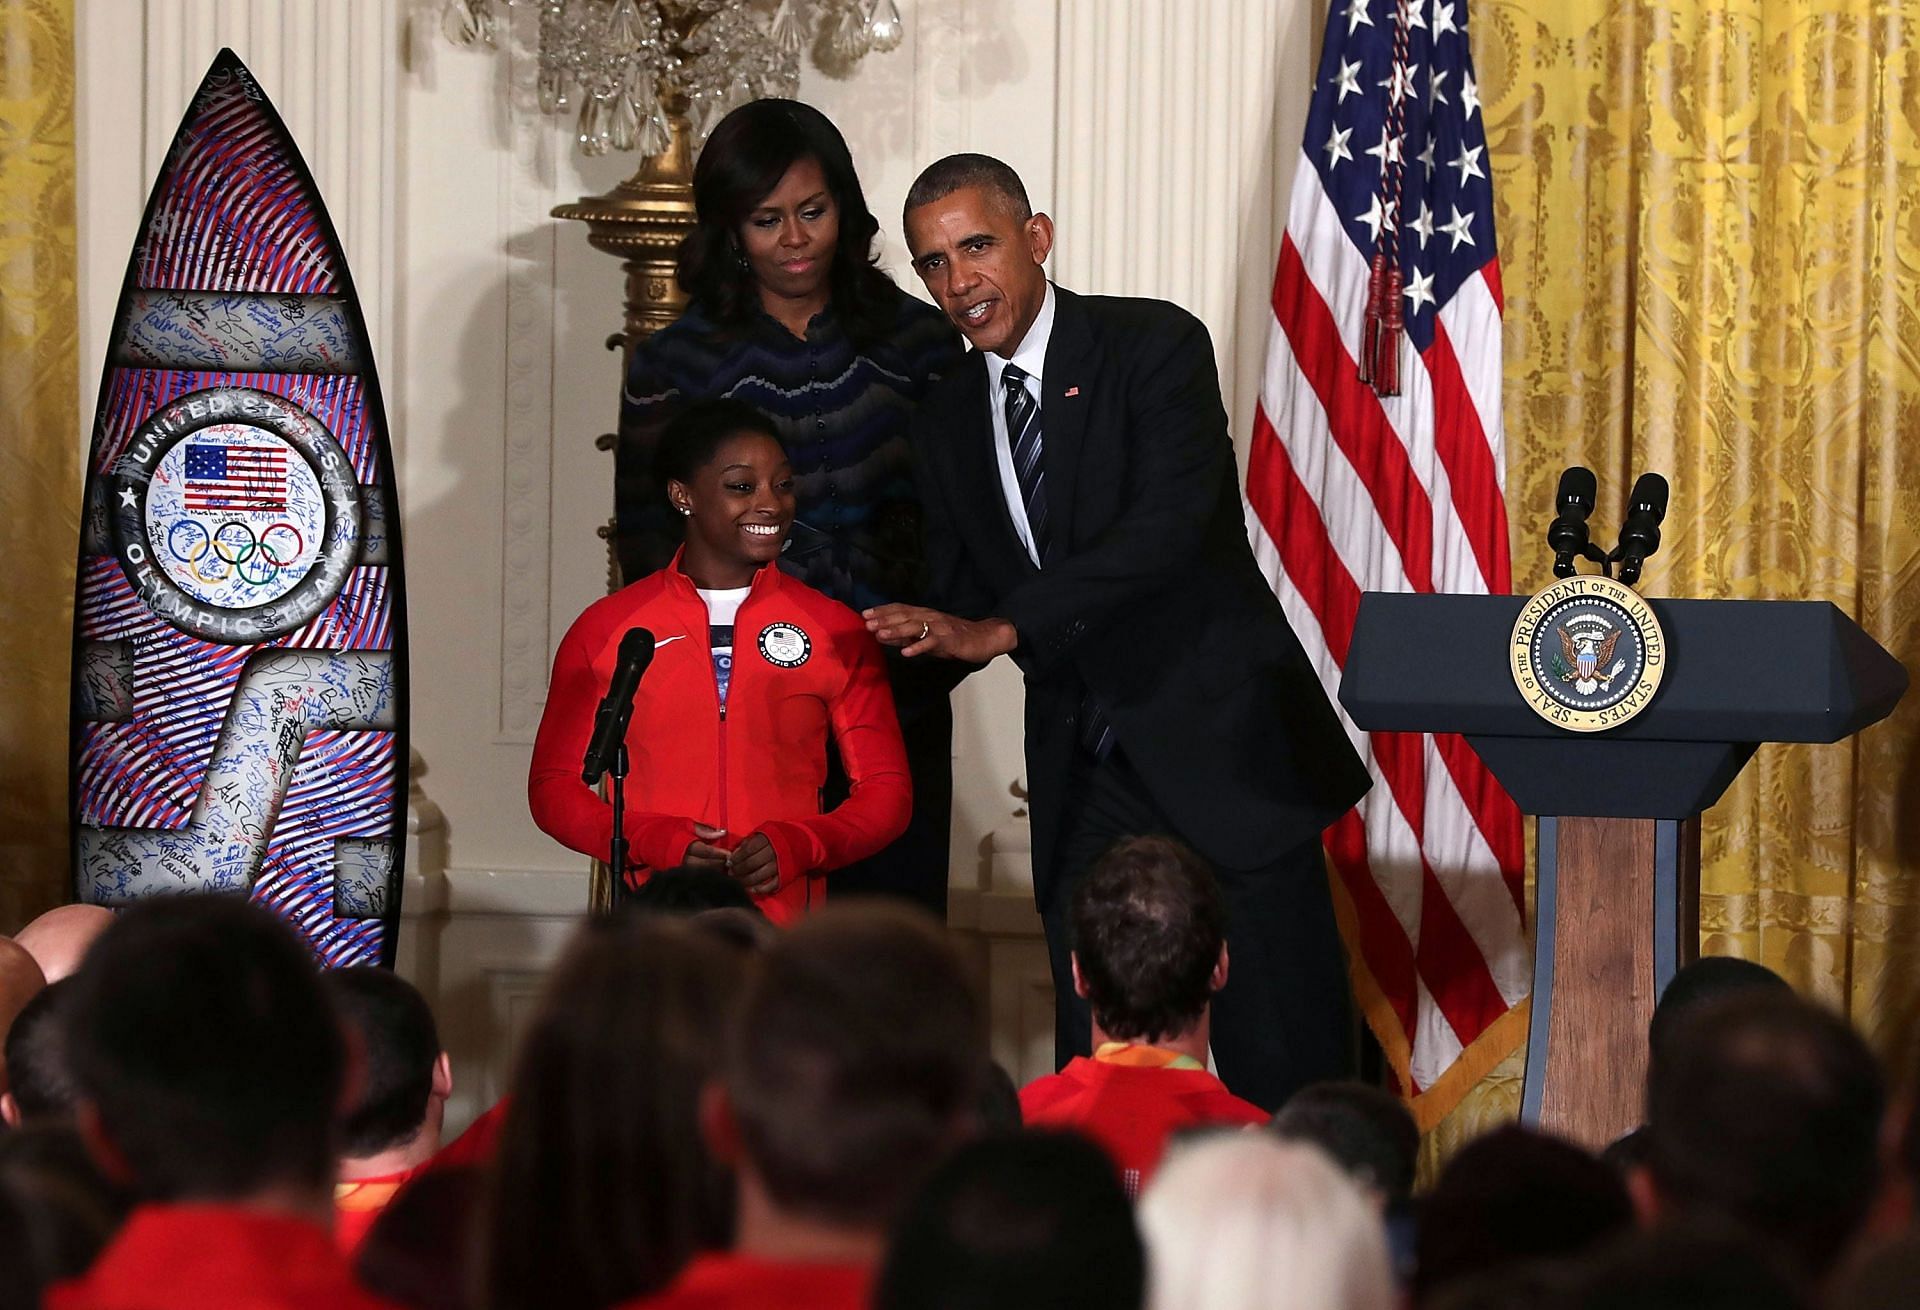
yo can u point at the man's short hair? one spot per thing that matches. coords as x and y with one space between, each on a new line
854 1061
1368 1131
401 1046
1766 1109
1026 1219
200 1033
1148 922
1708 979
39 1076
943 177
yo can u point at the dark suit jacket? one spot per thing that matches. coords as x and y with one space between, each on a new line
1151 597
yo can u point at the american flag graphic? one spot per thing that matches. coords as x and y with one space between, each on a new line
1377 464
249 479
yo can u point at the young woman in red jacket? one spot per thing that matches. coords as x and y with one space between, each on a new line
751 671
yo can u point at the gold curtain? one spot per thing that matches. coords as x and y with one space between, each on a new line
1709 217
39 448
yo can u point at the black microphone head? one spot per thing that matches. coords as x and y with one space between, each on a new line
1578 487
637 646
1649 497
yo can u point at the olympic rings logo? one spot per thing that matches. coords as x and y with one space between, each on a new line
235 548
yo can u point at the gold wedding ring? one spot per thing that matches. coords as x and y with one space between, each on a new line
925 628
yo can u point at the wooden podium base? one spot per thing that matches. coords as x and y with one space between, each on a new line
1617 913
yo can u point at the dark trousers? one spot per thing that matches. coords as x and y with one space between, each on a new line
1284 1018
914 867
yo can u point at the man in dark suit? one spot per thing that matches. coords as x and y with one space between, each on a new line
1083 516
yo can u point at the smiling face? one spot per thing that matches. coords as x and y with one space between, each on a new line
738 507
789 237
983 264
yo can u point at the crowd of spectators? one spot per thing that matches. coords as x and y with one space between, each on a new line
708 1112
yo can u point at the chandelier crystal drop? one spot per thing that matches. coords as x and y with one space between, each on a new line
624 67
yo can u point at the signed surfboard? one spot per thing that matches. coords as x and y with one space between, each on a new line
240 656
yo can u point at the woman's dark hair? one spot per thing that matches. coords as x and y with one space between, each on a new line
688 442
744 159
602 1189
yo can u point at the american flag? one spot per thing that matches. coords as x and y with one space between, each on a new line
247 479
1377 464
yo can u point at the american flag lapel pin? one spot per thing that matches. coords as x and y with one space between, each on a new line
1070 393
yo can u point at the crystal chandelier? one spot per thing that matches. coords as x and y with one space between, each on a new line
622 69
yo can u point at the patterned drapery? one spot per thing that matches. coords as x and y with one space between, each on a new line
39 448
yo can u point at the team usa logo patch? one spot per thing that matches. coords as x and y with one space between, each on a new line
784 645
1588 653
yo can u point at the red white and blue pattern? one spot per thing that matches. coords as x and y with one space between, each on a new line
235 212
1353 488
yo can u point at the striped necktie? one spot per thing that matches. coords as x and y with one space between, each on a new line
1029 468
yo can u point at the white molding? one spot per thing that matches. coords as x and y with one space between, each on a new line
527 256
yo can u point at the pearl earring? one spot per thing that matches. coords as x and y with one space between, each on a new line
687 510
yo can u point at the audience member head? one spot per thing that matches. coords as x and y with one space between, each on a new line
979 248
602 1190
1246 1222
1367 1131
57 1211
1682 1266
209 1062
1881 1276
39 1084
1012 1221
1149 941
853 1066
20 981
764 163
1766 1109
394 1121
60 938
424 1250
999 1106
682 893
1512 1196
1708 979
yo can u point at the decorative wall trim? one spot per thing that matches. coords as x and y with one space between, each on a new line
527 268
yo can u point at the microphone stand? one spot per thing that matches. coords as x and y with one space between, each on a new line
617 853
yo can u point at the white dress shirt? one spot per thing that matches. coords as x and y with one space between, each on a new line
1031 357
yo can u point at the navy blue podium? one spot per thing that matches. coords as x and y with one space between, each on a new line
1618 831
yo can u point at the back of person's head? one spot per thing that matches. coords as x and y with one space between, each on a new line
401 1059
57 1211
1880 1276
205 1050
602 1190
1367 1131
999 1103
1767 1109
855 1062
681 893
1016 1221
20 981
1148 925
1705 980
424 1249
1246 1222
60 939
40 1086
1683 1266
1511 1196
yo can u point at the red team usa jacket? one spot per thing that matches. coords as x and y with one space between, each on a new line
804 666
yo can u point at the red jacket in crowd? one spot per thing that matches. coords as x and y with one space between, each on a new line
804 666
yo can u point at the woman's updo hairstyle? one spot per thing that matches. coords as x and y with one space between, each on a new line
690 440
745 157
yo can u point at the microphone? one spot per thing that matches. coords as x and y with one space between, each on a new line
1568 533
616 707
1640 533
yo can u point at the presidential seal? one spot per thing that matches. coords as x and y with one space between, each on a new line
1588 653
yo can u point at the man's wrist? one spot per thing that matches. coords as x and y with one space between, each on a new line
1005 638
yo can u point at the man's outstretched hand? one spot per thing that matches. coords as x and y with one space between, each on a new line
917 630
